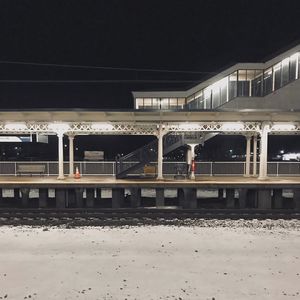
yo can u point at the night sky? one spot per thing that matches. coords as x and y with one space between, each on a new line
109 42
197 36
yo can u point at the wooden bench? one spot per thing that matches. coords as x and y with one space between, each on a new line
31 169
149 171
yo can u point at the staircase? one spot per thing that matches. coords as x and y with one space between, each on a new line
131 165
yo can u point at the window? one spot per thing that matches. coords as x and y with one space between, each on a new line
268 81
139 103
232 85
256 84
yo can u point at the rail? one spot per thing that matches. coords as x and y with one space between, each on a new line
107 168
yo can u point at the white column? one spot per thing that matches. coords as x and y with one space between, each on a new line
263 151
248 146
160 153
254 155
71 156
192 158
60 136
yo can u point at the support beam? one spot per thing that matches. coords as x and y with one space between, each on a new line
160 197
60 196
263 167
187 197
252 198
25 196
160 153
278 199
191 159
264 199
71 156
248 146
43 197
255 155
60 136
242 198
90 197
135 198
79 197
230 202
117 197
296 199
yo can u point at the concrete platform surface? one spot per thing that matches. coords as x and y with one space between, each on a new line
151 263
109 182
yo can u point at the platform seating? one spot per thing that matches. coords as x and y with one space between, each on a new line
31 169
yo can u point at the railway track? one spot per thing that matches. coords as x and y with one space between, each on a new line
101 217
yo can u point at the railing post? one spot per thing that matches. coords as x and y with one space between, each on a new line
211 168
277 169
15 169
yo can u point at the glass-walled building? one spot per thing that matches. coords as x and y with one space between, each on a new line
239 82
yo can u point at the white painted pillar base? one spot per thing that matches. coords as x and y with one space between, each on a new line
248 146
71 156
191 157
263 151
60 156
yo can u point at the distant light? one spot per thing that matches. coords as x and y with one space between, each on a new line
15 126
59 127
281 151
232 126
283 127
102 126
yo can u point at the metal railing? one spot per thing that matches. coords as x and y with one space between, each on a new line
107 168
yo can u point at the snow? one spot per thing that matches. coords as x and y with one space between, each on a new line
151 262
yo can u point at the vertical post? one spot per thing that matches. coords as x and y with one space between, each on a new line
248 145
191 157
254 155
160 153
71 156
60 136
263 151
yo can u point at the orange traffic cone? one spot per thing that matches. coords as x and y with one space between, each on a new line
77 174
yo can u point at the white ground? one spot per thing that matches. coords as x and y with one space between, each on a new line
158 262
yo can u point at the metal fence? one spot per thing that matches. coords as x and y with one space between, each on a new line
107 168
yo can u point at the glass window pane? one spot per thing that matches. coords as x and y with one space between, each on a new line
232 85
268 81
277 76
256 84
173 103
139 103
155 103
224 90
285 65
164 104
243 84
181 102
147 102
293 66
207 99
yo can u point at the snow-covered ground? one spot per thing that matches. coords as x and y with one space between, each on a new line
159 262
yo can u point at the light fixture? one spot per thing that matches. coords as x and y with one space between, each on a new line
232 126
15 126
59 127
283 127
102 127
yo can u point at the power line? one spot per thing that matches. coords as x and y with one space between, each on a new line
94 81
104 68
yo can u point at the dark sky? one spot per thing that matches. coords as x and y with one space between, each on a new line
199 36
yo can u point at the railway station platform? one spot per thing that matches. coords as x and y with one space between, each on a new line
236 192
